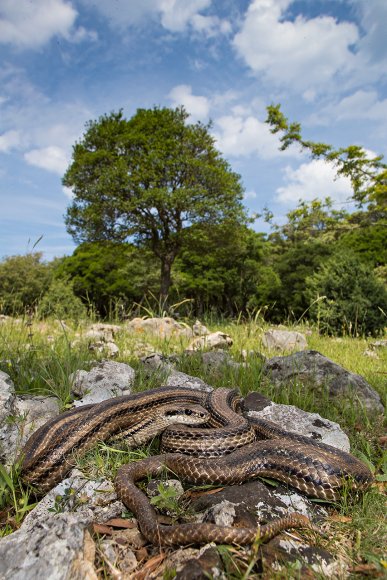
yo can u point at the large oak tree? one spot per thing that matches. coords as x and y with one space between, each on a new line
147 179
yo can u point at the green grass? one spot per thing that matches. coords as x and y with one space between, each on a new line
41 357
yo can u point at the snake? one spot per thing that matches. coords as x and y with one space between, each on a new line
207 439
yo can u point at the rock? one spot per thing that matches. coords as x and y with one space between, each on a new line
309 424
109 349
107 379
48 552
313 562
237 504
161 327
92 501
208 564
284 340
199 329
8 430
20 417
371 354
104 332
173 378
218 359
317 371
214 340
379 344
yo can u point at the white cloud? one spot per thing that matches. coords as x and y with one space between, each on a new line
174 15
250 195
315 179
68 192
239 135
9 140
50 158
27 24
197 106
362 105
300 53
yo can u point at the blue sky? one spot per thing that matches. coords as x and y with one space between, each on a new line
64 62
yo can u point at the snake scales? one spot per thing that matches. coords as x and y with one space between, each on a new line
227 449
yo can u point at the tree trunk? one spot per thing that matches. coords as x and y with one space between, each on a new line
165 276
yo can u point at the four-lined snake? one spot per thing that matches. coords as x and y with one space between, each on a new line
227 449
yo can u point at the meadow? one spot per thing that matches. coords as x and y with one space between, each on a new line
40 356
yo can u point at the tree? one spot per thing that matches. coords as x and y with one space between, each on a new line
368 175
60 301
355 301
106 274
147 179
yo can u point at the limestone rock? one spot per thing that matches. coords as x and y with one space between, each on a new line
199 329
214 340
158 363
284 340
310 424
20 417
161 327
100 331
109 349
315 370
48 552
107 379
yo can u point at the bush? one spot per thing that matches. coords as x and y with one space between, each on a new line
23 281
355 300
61 302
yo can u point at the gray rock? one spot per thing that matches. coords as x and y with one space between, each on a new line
304 423
161 327
20 417
109 348
48 552
8 429
92 501
199 329
284 340
315 370
210 341
173 378
217 359
107 379
100 331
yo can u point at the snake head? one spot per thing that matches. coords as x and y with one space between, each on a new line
187 414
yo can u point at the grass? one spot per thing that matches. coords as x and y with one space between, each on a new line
40 357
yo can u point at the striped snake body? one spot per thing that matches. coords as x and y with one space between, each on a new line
227 449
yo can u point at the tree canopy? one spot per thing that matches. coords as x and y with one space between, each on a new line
147 179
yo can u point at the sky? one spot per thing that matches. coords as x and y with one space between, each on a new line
65 62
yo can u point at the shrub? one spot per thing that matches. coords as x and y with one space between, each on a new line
355 300
23 280
61 302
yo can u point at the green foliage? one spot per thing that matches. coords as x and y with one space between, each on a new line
61 302
221 268
23 280
368 175
149 177
107 274
293 265
355 301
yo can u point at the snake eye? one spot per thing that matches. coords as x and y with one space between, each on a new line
188 412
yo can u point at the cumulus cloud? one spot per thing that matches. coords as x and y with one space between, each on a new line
239 135
363 104
51 158
302 53
197 106
315 179
27 24
9 140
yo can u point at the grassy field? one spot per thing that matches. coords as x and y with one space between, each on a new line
40 356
